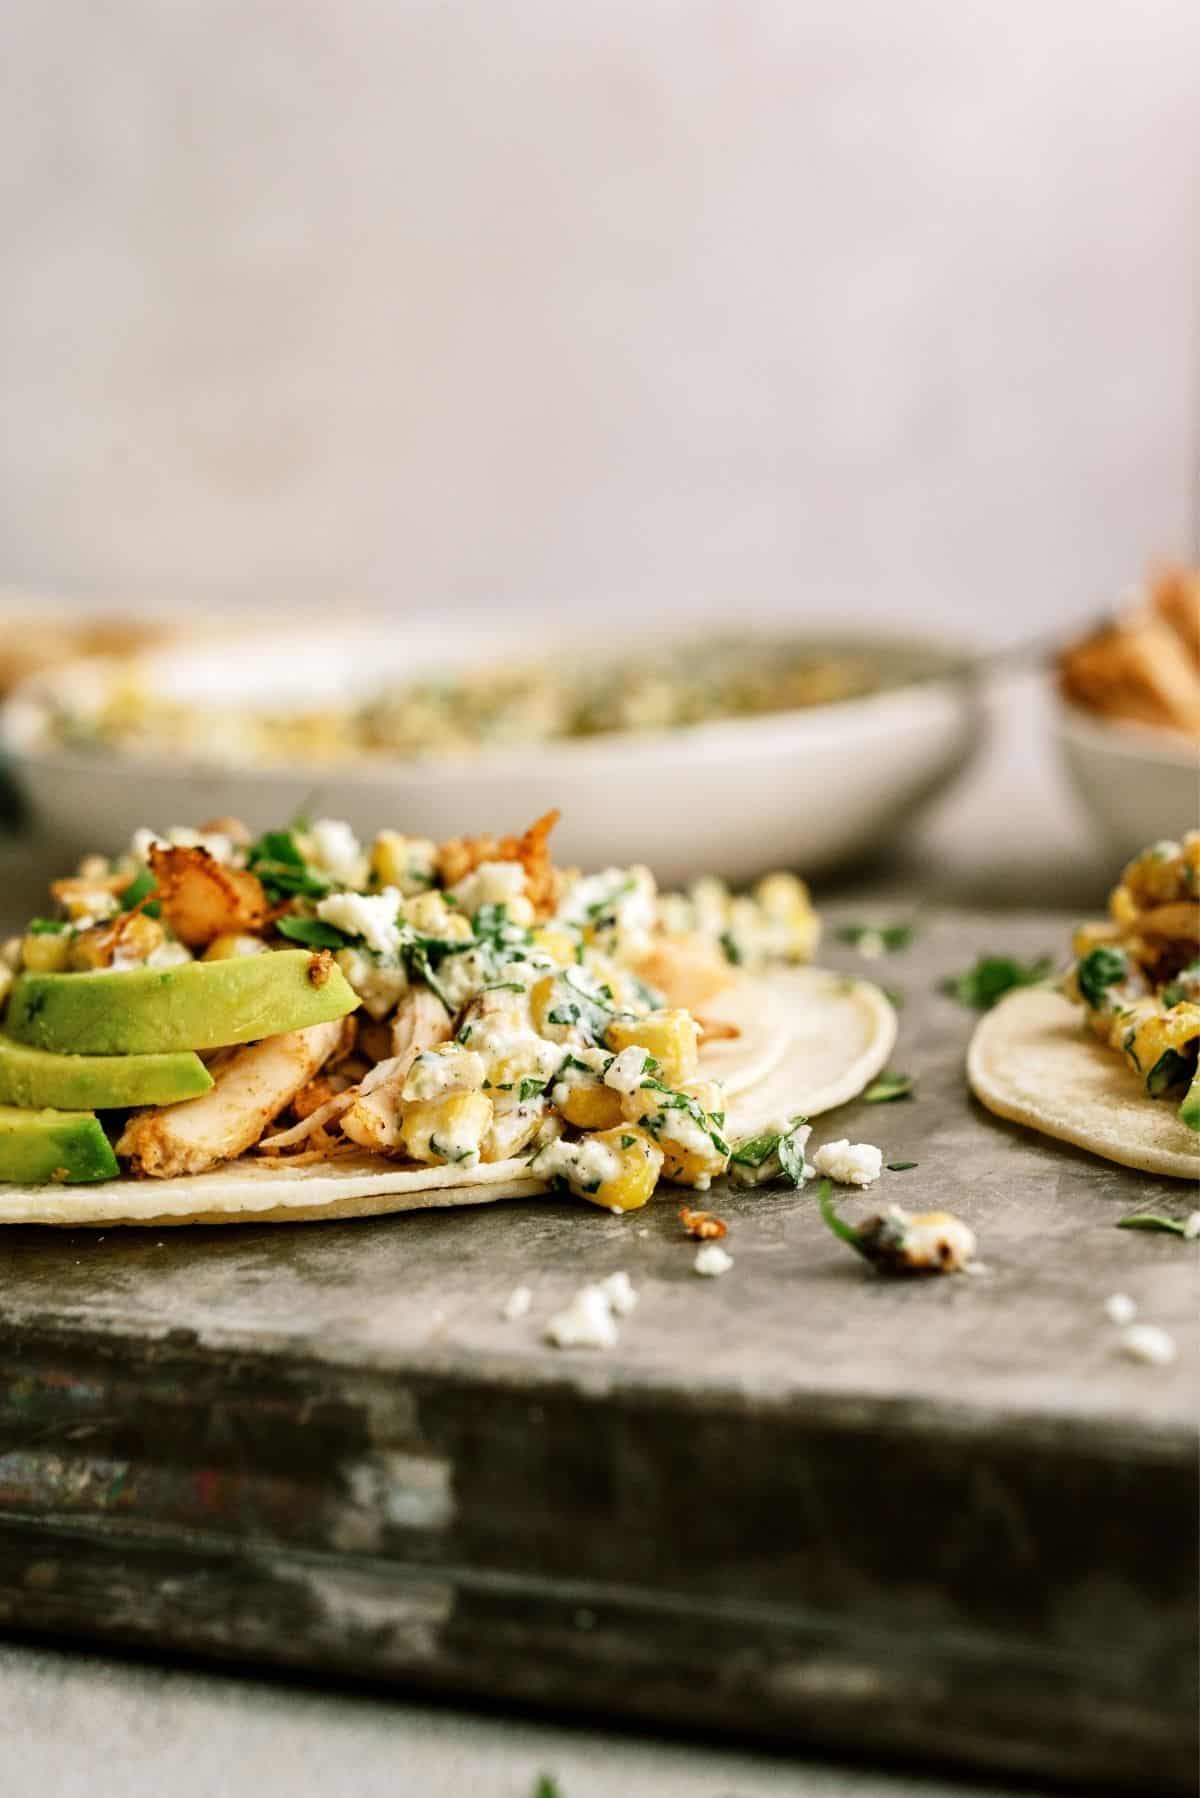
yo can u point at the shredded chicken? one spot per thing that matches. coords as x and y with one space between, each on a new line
203 899
460 856
374 1119
251 1087
686 970
420 1022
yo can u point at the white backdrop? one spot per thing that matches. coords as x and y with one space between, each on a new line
838 305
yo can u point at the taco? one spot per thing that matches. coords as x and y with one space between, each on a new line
1108 1060
214 1028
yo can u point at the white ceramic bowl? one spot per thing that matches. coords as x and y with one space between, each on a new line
804 789
1139 784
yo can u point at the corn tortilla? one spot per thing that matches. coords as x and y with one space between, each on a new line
1032 1060
811 1040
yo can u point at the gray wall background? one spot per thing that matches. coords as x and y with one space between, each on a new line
839 306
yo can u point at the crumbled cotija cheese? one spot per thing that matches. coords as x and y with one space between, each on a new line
711 1260
371 916
849 1163
517 1304
625 1070
1120 1308
621 1295
1146 1342
339 852
587 1322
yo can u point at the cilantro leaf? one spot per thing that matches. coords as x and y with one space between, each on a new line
891 937
277 860
828 1210
46 926
1170 1070
139 888
1099 970
901 1167
315 932
1151 1220
889 1087
992 976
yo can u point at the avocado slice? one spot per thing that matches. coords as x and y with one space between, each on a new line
194 1005
35 1077
1189 1111
64 1147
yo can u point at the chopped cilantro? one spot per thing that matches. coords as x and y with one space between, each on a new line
139 888
889 1087
279 864
1098 970
546 1787
627 1142
894 996
730 948
901 1167
313 931
791 1157
46 926
891 937
1151 1220
992 976
1170 1070
531 1086
846 1232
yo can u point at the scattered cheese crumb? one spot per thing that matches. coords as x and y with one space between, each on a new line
849 1163
587 1322
1191 1226
517 1304
1146 1342
711 1260
871 945
339 851
620 1293
371 916
1120 1308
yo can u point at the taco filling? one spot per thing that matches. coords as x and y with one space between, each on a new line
302 998
1137 974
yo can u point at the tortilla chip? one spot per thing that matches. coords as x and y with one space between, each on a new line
1033 1060
808 1041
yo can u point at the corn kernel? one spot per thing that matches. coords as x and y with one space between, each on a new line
449 1130
46 954
234 943
591 1106
671 1037
403 862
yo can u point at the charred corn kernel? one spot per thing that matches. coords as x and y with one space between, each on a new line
616 1168
234 943
127 942
590 1105
403 862
685 1128
429 913
1146 1036
556 941
450 1130
672 1037
79 900
46 954
514 1126
446 1068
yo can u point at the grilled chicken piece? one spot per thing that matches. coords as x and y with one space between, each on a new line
459 856
252 1087
686 970
420 1022
202 899
373 1120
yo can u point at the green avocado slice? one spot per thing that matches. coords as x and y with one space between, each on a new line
38 1077
195 1005
63 1147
